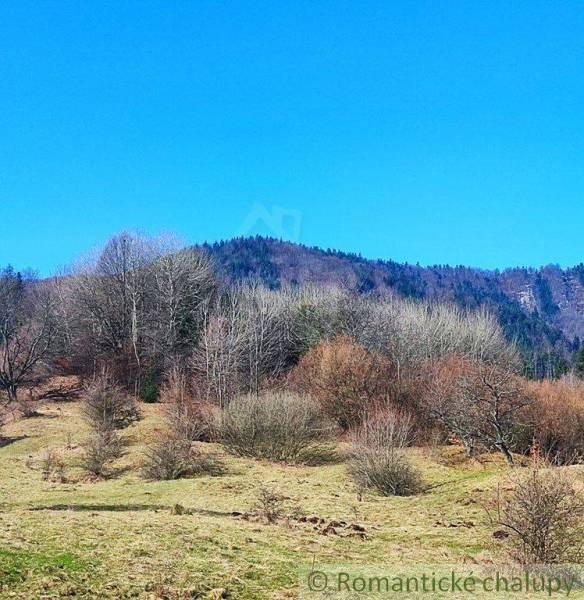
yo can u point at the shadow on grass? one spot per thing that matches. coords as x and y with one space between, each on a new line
102 507
6 441
126 508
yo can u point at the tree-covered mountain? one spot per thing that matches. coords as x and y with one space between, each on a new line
543 309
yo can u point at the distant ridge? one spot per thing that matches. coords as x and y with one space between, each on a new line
543 309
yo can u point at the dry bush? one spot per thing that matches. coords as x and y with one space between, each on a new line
100 451
442 403
543 515
52 467
347 379
386 470
377 460
269 504
556 419
386 429
174 458
105 406
27 406
187 417
280 426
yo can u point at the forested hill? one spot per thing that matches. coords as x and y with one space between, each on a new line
542 308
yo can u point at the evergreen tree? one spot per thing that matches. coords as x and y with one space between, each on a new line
578 363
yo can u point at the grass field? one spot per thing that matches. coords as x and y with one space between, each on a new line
121 538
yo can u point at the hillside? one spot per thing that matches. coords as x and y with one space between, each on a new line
66 535
541 308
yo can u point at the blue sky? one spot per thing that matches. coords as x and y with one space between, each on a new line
431 132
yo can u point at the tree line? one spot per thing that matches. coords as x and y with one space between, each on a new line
141 307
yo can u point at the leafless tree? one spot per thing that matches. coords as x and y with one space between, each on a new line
480 404
27 329
182 285
218 356
270 336
140 301
109 292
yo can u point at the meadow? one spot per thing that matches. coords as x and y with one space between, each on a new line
125 537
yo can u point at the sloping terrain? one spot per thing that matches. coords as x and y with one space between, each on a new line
121 538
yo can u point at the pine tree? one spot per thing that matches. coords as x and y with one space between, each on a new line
578 364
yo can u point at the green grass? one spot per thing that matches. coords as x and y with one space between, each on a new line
120 539
17 566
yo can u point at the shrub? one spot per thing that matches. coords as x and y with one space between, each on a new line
377 460
100 451
543 515
386 470
347 379
187 418
279 426
27 407
105 406
52 467
556 419
175 458
149 391
269 504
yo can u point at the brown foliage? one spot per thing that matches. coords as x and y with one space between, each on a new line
347 379
556 419
480 403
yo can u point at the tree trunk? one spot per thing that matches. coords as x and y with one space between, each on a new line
507 453
12 391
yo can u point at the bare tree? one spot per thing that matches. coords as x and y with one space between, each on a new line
480 403
271 342
27 329
139 302
182 285
109 293
218 356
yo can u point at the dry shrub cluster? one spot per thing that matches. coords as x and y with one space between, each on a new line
556 419
172 455
269 504
100 451
106 407
345 378
187 417
377 460
280 426
175 458
543 513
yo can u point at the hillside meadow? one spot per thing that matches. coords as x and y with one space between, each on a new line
68 536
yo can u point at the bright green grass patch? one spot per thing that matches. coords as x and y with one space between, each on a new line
16 566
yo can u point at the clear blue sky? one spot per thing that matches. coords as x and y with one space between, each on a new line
436 132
